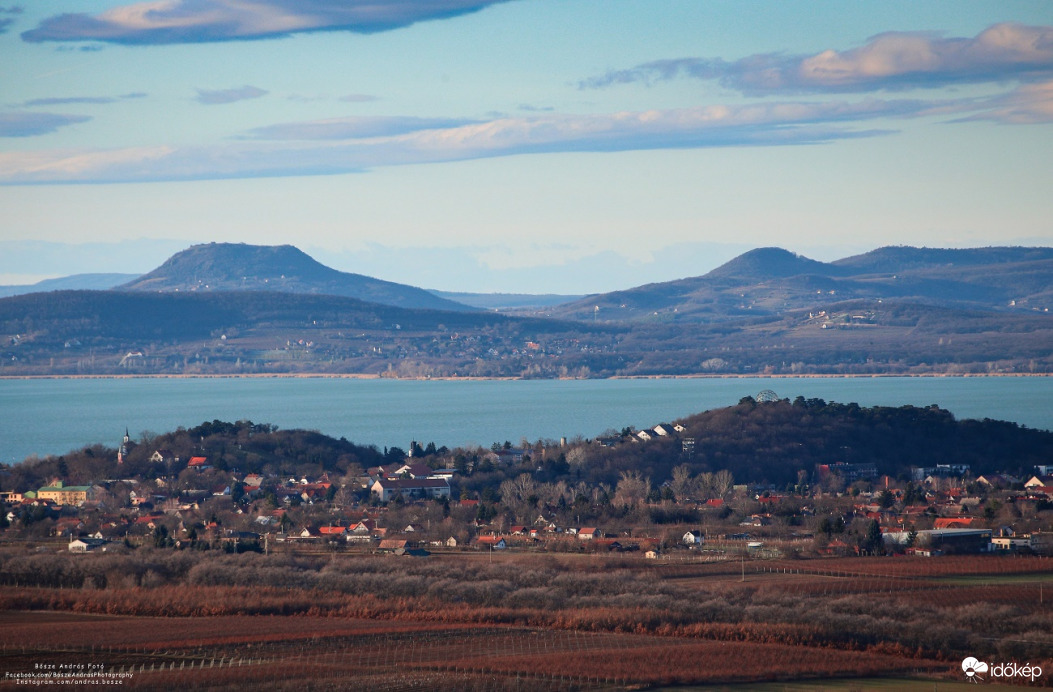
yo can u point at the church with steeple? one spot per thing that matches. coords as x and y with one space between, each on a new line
122 451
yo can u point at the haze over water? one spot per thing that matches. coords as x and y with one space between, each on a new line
55 416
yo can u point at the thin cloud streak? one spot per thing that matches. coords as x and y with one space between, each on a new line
353 128
8 21
198 21
893 61
1030 104
25 124
90 100
65 100
223 96
771 124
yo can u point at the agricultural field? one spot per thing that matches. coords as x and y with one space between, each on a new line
520 622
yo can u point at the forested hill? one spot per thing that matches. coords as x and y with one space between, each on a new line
775 440
779 442
776 443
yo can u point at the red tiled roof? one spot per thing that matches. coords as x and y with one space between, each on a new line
952 522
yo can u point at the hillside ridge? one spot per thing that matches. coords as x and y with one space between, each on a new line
276 268
772 281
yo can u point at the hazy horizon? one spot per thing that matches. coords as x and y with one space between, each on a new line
77 256
524 146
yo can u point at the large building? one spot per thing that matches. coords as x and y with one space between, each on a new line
65 494
411 488
946 541
850 473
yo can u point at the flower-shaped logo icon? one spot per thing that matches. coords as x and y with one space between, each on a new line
973 668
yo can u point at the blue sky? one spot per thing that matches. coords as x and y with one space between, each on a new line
550 146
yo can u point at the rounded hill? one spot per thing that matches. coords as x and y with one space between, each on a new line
278 268
769 263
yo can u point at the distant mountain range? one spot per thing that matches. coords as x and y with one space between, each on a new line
759 282
76 282
232 308
771 281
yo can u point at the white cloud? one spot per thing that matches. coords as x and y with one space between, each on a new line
1029 104
80 166
352 145
893 60
197 21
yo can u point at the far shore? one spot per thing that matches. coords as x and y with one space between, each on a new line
367 376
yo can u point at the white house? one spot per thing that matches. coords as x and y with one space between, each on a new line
493 542
84 545
1039 482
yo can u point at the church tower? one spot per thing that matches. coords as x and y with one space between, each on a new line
123 451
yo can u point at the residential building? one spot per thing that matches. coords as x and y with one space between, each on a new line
410 488
66 494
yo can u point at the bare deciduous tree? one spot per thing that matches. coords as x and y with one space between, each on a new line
632 489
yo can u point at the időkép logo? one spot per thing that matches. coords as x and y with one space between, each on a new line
976 670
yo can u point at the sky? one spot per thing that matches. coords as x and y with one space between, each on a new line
521 146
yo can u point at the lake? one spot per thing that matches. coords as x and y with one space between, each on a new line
54 416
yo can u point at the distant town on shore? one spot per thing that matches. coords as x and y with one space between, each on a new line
802 478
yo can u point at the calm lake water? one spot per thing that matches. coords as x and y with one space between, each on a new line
55 416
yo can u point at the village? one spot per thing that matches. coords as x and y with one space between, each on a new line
266 554
432 501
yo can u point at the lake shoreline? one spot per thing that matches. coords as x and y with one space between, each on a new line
54 415
366 376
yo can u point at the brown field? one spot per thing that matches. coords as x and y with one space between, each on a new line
290 652
619 626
